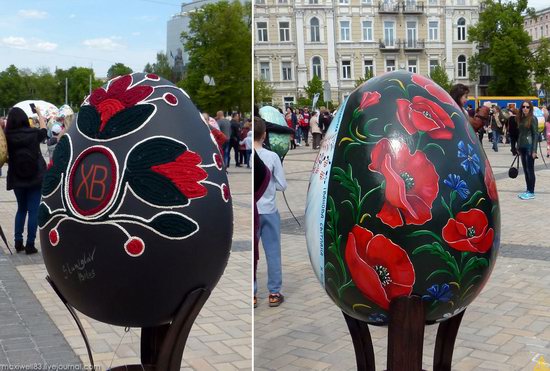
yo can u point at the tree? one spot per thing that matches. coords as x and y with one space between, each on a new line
541 64
263 92
118 69
219 46
314 86
504 47
11 86
368 75
161 67
440 77
78 84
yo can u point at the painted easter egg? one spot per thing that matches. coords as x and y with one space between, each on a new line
278 142
136 210
402 201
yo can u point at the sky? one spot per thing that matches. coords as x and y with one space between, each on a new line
89 33
84 33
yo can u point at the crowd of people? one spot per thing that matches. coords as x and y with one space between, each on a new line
304 122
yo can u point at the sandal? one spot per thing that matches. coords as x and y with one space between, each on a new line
276 299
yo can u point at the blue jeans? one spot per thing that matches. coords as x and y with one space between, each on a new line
496 139
270 234
28 200
528 163
226 148
298 134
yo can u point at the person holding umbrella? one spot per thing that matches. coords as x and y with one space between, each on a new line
26 168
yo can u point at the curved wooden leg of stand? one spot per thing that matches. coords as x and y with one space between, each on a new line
3 236
76 319
445 342
406 334
362 343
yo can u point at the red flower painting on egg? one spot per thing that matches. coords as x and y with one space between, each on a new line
432 88
117 97
424 115
469 231
380 269
411 183
369 98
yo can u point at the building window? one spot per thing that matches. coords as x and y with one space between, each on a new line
265 73
260 2
314 2
461 28
288 101
368 67
346 70
283 1
460 2
314 28
286 71
411 66
284 31
389 33
344 31
262 31
366 2
411 34
316 67
461 66
433 64
390 64
432 2
433 30
344 2
367 30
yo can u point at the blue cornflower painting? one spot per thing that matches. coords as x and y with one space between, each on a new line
439 293
458 185
471 162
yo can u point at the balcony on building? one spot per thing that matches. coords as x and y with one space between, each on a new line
388 7
414 45
412 7
391 45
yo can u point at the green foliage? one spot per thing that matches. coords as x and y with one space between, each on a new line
263 92
161 67
504 47
368 75
18 85
440 77
219 45
314 86
541 64
118 69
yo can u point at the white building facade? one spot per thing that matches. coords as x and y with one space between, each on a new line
538 27
339 40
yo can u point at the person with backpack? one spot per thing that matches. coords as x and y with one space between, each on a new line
26 168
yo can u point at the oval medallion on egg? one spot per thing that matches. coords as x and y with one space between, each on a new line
136 210
402 201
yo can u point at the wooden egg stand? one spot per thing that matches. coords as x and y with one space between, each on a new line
405 338
161 346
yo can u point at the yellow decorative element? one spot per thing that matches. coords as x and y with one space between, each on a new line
480 200
345 139
359 306
541 365
399 82
363 217
361 136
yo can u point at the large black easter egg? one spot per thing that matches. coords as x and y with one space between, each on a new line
136 211
402 201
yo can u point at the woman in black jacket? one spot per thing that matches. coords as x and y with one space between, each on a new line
26 168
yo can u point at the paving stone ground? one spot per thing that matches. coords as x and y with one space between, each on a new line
37 331
506 328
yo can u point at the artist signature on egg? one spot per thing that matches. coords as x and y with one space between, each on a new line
80 267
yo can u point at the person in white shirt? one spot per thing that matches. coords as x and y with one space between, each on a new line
270 221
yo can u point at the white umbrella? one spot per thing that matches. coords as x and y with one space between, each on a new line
47 109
